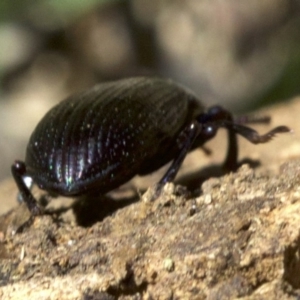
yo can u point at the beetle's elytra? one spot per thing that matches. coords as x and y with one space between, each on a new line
101 138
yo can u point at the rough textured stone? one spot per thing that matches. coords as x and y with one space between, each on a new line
234 236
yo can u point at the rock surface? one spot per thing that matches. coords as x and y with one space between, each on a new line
236 237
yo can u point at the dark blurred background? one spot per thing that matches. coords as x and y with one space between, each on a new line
241 54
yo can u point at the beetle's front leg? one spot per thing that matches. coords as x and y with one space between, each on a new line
185 140
217 114
18 170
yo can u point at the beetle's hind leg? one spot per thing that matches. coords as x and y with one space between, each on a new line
18 170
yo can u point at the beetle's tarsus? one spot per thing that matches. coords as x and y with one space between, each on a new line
153 192
35 210
25 225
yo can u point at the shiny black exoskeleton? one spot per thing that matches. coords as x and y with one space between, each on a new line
101 138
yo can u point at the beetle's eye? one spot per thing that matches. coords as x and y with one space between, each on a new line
215 110
209 131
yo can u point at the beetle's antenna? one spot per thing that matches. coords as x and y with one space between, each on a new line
246 119
217 117
252 135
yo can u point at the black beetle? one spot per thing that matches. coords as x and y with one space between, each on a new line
101 138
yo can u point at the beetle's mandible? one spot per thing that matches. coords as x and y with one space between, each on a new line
99 139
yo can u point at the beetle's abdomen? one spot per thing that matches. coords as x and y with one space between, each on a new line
99 138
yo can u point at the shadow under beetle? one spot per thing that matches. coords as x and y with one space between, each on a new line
99 139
